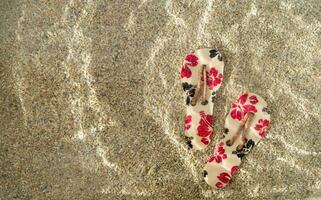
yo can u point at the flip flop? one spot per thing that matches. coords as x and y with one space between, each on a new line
245 125
201 76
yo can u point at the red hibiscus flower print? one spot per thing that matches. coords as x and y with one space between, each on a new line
233 169
214 78
188 121
253 99
205 125
224 177
219 155
205 141
240 108
186 72
192 59
219 185
262 126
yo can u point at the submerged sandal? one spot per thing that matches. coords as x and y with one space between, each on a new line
245 125
201 76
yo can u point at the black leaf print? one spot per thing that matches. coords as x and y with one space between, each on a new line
188 100
246 149
225 132
185 86
189 144
205 173
190 92
265 109
213 96
215 52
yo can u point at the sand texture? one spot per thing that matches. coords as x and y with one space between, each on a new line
91 105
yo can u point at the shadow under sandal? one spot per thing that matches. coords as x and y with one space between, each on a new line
245 125
201 76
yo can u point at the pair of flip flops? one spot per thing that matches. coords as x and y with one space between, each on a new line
246 123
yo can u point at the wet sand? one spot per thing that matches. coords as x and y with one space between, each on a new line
91 105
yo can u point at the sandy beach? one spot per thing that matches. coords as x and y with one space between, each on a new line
91 103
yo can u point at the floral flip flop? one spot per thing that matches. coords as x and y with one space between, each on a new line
245 125
201 76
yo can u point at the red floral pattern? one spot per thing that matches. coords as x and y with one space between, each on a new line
253 99
214 78
205 129
205 125
186 72
205 141
188 121
240 107
233 169
224 178
219 185
219 155
192 59
262 126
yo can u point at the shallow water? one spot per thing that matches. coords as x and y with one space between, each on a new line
92 108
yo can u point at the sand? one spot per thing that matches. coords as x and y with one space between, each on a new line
91 105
